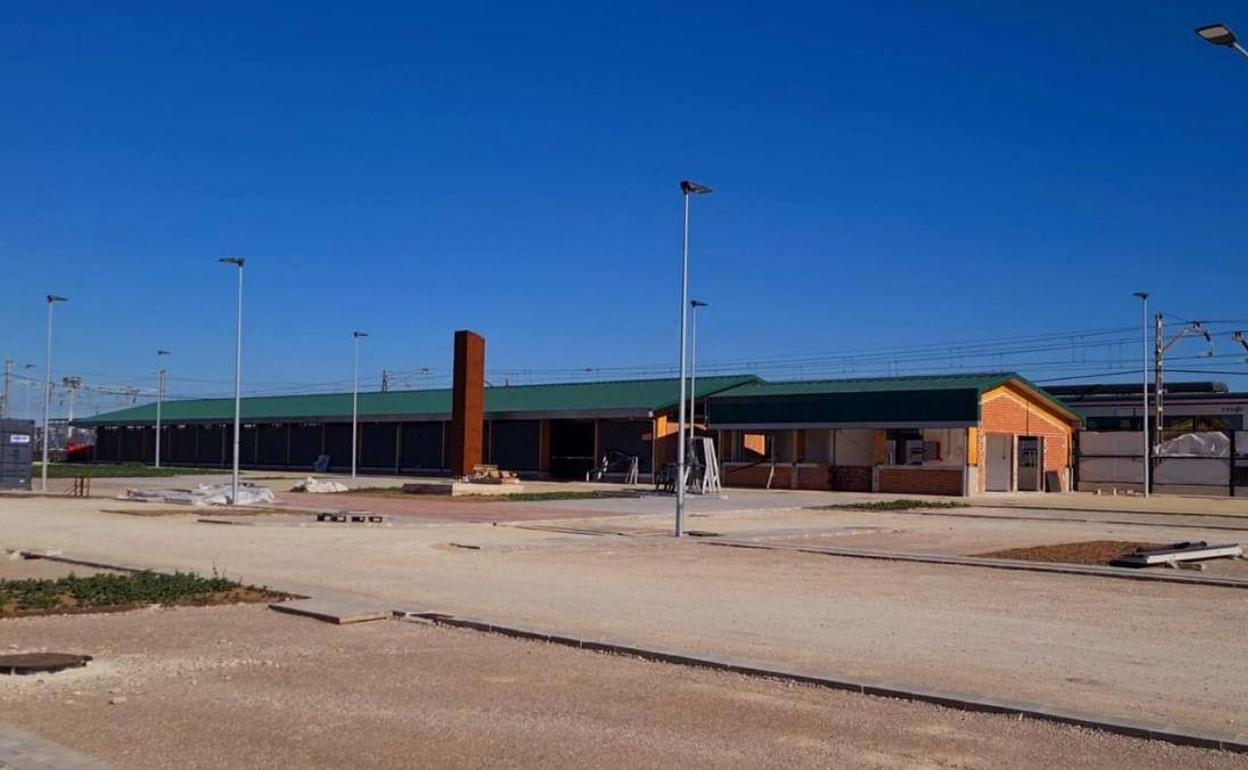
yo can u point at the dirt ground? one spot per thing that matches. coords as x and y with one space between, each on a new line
1100 552
246 687
1161 652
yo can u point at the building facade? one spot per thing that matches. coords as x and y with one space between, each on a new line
557 431
943 435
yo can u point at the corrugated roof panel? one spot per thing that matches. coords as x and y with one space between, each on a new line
621 396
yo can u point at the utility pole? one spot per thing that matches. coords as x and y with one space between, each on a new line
385 380
73 385
1143 297
7 407
1160 348
160 398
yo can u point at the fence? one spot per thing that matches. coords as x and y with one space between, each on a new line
1211 463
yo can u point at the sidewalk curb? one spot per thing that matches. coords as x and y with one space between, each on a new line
1169 733
1156 731
1081 570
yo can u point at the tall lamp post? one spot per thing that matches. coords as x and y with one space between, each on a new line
687 189
355 396
47 393
1143 297
160 397
694 304
237 262
1221 35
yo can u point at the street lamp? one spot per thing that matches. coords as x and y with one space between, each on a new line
687 190
1221 35
160 397
237 262
694 304
355 395
1143 297
47 391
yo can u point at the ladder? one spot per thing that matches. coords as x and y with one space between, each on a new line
708 483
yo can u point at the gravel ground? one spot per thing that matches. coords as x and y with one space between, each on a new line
1166 653
246 687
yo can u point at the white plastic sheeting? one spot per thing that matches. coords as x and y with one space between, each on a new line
203 494
1210 444
318 486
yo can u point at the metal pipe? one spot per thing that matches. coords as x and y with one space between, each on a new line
237 262
47 395
680 422
355 397
1147 457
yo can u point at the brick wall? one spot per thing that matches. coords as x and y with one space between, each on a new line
919 481
755 476
1006 411
850 478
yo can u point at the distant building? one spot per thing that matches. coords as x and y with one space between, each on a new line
959 434
947 434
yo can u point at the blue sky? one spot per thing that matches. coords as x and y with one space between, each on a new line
887 175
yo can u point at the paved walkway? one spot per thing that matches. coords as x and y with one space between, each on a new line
20 750
1083 501
1151 651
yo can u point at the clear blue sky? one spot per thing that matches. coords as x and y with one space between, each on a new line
886 175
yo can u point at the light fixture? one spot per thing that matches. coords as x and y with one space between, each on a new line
1217 34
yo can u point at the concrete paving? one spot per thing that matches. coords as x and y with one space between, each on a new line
1164 653
245 687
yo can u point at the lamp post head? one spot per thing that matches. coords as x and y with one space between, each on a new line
697 303
1140 295
235 261
357 335
160 353
54 298
1217 34
693 188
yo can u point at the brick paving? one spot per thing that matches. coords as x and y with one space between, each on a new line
437 508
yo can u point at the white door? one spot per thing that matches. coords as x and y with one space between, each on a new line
999 454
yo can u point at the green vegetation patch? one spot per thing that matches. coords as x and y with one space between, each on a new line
894 505
92 471
110 593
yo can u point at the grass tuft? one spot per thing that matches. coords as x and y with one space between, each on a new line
894 505
32 596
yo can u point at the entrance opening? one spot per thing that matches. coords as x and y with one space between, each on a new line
999 462
571 448
1030 464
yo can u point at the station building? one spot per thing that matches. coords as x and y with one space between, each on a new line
949 434
945 435
541 431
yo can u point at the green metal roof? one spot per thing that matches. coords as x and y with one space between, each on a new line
619 398
937 399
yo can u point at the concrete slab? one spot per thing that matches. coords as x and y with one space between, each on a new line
339 611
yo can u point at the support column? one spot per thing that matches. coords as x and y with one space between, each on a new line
467 402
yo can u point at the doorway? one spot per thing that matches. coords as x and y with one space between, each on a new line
571 448
1030 464
999 462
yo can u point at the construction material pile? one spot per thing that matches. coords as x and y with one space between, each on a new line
203 494
319 486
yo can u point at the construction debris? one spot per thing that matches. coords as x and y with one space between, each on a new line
351 517
319 486
203 494
490 474
1172 554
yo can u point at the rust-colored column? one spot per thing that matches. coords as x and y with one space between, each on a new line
467 402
